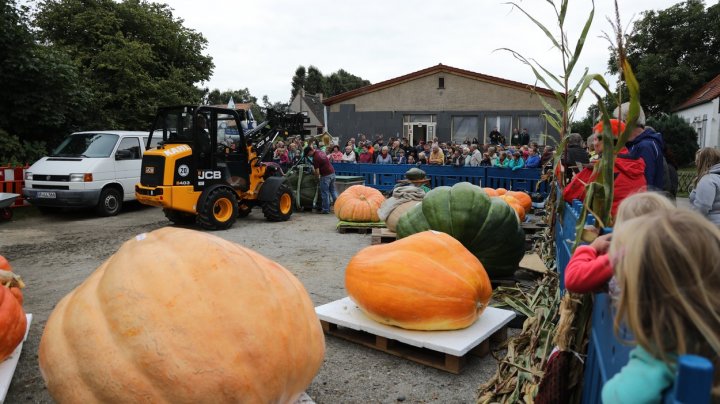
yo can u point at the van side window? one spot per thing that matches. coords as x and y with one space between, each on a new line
131 144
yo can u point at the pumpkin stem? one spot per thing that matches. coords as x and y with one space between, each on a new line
11 279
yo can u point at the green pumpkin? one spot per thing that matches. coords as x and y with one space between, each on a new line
487 227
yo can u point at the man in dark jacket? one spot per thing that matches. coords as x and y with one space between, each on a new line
524 137
574 153
496 137
647 144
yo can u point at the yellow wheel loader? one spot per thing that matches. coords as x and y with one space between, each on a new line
208 170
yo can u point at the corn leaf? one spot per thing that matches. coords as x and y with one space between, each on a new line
538 24
581 40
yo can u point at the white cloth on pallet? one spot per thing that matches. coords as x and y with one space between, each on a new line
400 195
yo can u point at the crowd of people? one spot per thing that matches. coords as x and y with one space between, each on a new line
399 151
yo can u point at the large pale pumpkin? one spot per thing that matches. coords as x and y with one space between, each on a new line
391 221
427 281
359 204
488 227
182 316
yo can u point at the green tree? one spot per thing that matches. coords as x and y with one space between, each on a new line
680 138
133 54
336 83
215 97
674 51
278 106
42 97
315 82
298 80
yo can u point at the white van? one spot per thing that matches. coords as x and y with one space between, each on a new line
89 169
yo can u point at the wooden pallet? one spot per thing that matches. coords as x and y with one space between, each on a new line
444 350
533 227
382 235
428 357
343 228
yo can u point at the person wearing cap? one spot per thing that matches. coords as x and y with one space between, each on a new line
629 171
419 180
647 144
325 171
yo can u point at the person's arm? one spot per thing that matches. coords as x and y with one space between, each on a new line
587 271
642 380
704 195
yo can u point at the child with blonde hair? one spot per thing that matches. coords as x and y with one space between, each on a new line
589 269
667 268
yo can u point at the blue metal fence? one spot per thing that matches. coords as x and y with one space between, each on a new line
384 177
606 353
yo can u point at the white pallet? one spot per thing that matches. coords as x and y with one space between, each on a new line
7 367
345 312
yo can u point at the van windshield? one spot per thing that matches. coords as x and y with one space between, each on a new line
86 145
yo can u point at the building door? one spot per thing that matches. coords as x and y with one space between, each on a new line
419 132
419 127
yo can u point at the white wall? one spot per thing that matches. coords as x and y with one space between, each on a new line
705 118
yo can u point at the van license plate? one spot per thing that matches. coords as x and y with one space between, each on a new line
44 194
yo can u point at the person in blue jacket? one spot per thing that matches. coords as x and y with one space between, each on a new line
533 160
647 144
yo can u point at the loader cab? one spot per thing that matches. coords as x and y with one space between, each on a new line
219 153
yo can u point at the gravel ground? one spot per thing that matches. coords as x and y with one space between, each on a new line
55 253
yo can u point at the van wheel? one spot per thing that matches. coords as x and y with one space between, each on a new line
219 210
178 217
110 202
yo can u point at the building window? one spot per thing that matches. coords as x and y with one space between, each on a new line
535 126
464 128
503 125
441 82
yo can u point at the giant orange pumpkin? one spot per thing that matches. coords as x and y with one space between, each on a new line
13 322
490 192
426 281
359 204
182 316
515 204
523 199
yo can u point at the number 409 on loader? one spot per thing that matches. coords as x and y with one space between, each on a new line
208 170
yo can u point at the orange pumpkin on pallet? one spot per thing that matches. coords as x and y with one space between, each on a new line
359 204
501 191
179 315
13 322
522 198
490 192
426 281
515 204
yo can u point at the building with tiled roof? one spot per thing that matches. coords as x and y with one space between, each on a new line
312 106
702 111
441 101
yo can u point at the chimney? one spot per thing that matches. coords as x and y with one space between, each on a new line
320 96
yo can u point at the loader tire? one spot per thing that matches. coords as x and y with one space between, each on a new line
281 207
219 210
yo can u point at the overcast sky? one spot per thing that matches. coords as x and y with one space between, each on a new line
259 44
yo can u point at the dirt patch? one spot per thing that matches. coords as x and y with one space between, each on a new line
56 253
